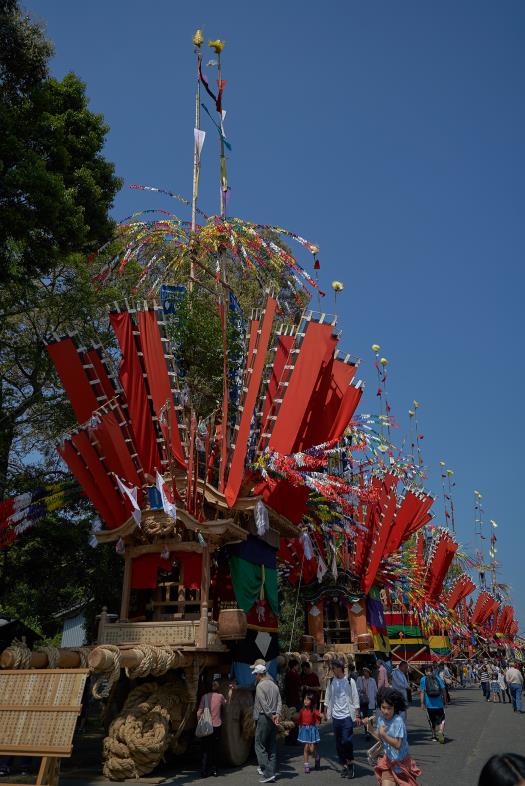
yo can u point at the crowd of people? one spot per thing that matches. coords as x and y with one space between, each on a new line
375 697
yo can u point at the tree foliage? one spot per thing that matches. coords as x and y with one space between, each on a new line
56 189
55 185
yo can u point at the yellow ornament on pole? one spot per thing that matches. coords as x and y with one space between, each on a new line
216 45
376 347
198 38
338 286
384 362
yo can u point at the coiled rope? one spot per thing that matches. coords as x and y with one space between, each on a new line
140 735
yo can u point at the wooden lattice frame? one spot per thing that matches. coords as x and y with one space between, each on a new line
38 714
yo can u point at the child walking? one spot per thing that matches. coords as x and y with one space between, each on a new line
308 721
395 767
495 690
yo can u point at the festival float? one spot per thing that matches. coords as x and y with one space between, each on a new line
217 438
205 434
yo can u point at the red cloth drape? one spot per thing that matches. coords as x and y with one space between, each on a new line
144 569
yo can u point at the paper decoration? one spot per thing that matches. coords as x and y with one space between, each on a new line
168 505
314 611
199 136
131 494
263 641
261 518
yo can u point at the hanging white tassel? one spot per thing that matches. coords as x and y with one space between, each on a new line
96 526
307 546
120 547
261 518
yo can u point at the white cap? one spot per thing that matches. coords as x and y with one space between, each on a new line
259 668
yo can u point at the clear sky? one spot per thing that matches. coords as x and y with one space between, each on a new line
391 134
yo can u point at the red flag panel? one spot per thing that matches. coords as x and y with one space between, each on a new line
158 378
115 502
73 377
136 393
316 349
254 381
84 477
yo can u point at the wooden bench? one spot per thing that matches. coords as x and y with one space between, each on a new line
38 714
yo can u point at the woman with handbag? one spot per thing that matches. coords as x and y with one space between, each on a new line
209 728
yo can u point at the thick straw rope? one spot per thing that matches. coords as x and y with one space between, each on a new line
21 653
141 734
53 655
105 681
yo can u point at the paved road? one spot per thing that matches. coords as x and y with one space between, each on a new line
475 730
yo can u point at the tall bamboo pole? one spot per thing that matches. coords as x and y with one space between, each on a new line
197 40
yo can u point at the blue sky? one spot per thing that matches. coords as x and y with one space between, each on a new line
391 134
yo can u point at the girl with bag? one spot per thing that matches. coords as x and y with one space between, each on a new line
209 728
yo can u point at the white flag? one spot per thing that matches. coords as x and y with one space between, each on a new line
199 139
168 506
261 518
321 568
131 494
307 546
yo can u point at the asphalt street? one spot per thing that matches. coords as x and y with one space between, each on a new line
474 731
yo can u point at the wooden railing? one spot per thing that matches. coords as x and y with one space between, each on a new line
178 633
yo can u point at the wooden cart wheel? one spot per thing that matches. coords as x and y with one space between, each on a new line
235 746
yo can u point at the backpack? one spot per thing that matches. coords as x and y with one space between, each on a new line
432 688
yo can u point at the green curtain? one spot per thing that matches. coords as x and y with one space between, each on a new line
246 580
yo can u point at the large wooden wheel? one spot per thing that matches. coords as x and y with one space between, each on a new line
236 743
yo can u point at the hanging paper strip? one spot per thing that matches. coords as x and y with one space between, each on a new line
158 378
132 381
254 380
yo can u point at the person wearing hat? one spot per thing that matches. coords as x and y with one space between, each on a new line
267 714
342 708
367 692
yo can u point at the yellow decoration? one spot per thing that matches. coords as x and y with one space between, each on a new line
376 347
450 472
411 413
217 46
382 448
416 404
441 463
198 38
384 362
337 286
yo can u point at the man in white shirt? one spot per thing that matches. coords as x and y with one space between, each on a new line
401 684
514 679
342 708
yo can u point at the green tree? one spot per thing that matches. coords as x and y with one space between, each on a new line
55 185
56 189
